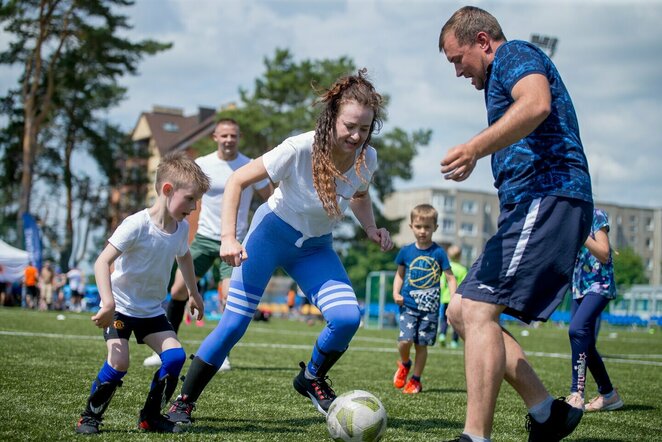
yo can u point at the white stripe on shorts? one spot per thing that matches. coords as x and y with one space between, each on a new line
524 237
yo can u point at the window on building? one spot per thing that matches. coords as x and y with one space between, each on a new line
649 243
469 207
619 220
437 201
633 218
448 226
650 225
468 229
488 208
170 127
449 203
468 254
649 265
641 305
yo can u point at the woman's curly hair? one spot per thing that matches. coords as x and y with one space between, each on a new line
349 88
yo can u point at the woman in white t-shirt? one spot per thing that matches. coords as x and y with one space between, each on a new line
319 175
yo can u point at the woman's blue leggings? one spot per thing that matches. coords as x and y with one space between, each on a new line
582 331
315 266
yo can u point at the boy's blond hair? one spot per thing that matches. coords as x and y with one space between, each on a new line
181 171
425 211
454 253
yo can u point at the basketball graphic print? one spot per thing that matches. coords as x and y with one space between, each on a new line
424 272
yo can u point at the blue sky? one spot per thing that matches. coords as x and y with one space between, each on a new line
609 55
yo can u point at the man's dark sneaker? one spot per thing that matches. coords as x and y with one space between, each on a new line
88 424
157 424
461 438
562 421
180 411
318 390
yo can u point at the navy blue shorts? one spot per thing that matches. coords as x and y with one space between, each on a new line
527 265
418 327
124 325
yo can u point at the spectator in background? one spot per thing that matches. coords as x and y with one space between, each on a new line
59 281
3 287
30 280
46 277
77 286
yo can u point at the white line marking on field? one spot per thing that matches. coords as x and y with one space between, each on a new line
623 359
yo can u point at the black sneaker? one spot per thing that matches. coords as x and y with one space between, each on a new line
88 424
461 438
157 424
318 390
562 421
180 411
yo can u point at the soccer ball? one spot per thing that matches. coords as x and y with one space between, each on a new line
356 416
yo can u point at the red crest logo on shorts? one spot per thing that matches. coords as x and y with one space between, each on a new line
118 325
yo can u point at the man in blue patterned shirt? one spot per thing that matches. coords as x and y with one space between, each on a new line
544 188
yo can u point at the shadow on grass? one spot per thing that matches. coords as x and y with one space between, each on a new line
445 390
421 424
284 426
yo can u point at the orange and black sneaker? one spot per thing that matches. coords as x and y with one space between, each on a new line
400 377
413 387
88 423
318 390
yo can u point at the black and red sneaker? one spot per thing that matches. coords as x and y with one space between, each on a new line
180 411
318 390
156 424
88 423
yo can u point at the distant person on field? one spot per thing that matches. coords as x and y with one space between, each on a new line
142 250
46 280
206 245
30 281
460 271
593 286
416 291
76 281
546 205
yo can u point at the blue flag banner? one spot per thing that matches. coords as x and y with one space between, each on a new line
32 237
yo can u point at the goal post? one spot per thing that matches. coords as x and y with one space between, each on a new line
379 286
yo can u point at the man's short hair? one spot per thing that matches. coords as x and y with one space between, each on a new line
466 23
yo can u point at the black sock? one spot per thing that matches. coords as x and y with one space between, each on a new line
175 313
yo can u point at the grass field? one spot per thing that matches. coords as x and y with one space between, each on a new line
47 366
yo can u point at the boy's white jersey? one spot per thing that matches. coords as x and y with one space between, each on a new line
142 272
295 200
218 171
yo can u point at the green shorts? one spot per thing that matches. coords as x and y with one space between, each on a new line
204 252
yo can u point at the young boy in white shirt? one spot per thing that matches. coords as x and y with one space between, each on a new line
142 250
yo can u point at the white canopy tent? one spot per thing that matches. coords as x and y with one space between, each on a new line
13 262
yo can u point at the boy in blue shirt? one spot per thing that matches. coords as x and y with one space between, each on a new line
416 291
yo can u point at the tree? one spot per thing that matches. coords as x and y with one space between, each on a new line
282 104
628 269
54 34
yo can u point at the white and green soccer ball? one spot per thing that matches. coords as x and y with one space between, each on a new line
356 416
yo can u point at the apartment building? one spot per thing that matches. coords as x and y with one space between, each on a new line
469 218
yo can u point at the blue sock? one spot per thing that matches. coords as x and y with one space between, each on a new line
107 374
541 411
